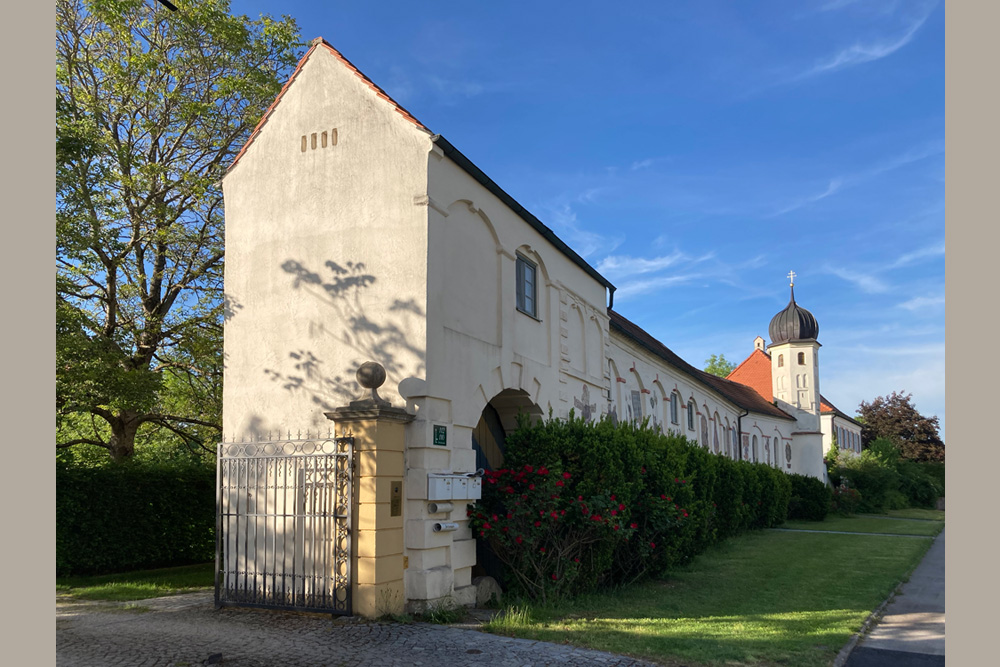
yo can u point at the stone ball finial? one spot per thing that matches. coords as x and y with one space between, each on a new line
371 375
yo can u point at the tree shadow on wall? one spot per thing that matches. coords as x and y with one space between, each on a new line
366 336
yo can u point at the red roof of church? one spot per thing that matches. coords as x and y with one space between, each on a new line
755 372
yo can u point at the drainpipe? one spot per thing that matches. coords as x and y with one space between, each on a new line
611 298
739 433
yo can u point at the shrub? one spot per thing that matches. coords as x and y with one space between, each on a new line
873 478
658 501
131 516
919 488
845 500
810 498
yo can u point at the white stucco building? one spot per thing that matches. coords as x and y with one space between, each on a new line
354 233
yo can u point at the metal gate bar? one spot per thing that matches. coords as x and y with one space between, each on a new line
283 525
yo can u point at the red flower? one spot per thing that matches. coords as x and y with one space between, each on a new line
662 497
579 497
559 483
669 499
519 539
543 471
612 498
510 515
553 514
576 560
505 529
528 468
537 524
685 513
494 517
566 475
554 577
614 512
616 527
542 549
620 507
562 512
643 470
652 545
634 526
531 487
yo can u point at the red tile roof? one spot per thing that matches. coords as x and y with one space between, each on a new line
319 41
826 407
755 372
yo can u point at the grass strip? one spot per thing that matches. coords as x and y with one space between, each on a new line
869 523
766 598
138 585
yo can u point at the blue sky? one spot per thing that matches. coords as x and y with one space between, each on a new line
695 152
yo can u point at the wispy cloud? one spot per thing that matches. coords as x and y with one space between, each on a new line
917 255
846 181
922 303
562 218
866 281
641 164
863 52
622 266
833 186
637 287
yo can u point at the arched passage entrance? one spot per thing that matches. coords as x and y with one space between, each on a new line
499 418
489 439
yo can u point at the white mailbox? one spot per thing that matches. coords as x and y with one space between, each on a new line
452 486
439 487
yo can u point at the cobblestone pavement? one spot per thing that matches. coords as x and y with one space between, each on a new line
188 630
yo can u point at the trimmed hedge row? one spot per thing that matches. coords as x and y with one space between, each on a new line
811 498
586 504
129 517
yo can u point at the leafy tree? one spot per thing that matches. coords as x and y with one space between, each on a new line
719 365
895 418
151 107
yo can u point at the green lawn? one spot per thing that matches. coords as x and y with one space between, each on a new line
917 513
869 523
766 598
138 585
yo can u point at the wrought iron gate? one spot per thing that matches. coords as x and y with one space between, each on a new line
283 525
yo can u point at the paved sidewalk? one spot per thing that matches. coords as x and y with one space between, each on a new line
186 630
910 631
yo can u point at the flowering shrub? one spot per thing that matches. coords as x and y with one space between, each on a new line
544 534
583 504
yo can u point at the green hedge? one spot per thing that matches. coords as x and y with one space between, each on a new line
810 500
128 517
586 504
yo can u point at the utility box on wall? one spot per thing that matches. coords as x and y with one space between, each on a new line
449 486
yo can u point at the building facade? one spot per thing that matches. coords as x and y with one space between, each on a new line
355 234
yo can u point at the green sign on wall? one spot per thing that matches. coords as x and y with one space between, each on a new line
440 435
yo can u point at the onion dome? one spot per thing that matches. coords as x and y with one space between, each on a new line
792 324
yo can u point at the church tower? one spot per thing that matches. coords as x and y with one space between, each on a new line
795 357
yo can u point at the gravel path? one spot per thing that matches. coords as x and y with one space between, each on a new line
188 630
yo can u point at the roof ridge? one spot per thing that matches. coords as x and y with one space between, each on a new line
317 41
740 365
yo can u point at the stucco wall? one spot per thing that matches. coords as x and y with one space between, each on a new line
634 369
325 253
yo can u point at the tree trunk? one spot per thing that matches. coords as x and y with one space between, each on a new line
124 426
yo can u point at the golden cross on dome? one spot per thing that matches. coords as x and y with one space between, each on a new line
791 279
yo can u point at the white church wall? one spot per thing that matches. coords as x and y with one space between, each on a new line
326 256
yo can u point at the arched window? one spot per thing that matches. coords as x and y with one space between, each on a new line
715 438
802 358
674 408
704 432
732 436
753 453
691 415
781 360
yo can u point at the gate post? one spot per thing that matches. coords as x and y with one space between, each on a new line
378 430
